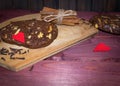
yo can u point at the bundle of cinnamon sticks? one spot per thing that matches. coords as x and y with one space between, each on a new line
66 20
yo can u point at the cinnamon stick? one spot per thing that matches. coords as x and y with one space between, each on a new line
68 20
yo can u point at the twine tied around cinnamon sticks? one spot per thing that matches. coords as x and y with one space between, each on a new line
61 13
59 16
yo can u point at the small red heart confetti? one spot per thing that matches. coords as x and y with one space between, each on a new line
19 37
102 47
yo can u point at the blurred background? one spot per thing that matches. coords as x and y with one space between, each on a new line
79 5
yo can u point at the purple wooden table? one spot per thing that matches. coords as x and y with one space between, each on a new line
76 66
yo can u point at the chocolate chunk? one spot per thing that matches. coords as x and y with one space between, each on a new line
2 58
4 51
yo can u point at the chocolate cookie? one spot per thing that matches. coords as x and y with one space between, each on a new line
29 33
107 23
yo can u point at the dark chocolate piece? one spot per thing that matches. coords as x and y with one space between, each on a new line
3 58
20 58
4 51
31 68
12 52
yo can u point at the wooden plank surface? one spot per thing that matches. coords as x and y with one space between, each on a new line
75 66
64 73
67 36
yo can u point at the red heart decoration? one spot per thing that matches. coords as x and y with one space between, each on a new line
19 37
101 47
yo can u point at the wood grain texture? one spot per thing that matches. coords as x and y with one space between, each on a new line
79 5
64 73
67 36
75 66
